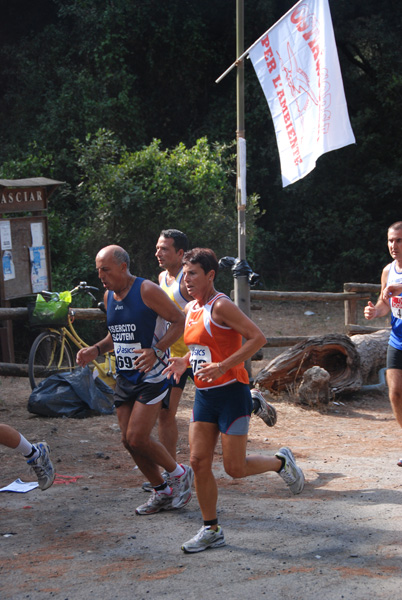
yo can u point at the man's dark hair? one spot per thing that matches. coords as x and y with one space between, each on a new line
396 226
205 257
180 240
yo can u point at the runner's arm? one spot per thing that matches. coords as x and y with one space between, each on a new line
382 307
157 300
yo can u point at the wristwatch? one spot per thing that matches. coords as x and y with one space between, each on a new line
159 353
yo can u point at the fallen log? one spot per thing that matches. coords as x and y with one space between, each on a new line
372 349
350 363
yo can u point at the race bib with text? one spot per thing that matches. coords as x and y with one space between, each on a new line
125 355
396 307
199 355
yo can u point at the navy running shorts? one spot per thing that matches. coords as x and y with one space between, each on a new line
394 358
187 373
228 406
146 393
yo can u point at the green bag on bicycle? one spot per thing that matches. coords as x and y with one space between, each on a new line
51 313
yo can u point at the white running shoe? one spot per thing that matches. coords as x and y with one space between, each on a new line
262 409
42 466
181 487
291 474
204 539
156 503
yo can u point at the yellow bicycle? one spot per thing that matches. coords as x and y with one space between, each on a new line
51 351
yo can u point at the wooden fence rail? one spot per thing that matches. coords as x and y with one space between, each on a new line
353 292
308 296
21 314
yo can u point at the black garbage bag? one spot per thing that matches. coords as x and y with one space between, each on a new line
76 395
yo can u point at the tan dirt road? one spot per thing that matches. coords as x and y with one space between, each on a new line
81 539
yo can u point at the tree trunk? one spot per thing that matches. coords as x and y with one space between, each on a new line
350 363
372 349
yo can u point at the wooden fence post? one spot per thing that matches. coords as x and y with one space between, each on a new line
350 310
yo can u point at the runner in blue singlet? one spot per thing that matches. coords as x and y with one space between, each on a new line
137 312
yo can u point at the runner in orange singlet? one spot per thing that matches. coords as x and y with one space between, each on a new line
213 332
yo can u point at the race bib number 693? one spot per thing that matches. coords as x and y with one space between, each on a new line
125 355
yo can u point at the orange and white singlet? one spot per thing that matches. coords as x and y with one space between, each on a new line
209 342
179 348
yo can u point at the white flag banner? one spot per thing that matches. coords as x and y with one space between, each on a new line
297 64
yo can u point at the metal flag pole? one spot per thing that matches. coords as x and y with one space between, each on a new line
243 53
241 281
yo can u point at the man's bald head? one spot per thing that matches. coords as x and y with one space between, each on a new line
117 253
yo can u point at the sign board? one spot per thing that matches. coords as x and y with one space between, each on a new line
24 245
25 260
26 195
29 199
24 240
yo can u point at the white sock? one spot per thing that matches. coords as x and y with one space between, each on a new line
178 471
26 448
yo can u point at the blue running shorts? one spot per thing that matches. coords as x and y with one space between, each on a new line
228 406
187 373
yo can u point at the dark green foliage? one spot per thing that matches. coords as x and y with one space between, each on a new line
73 71
132 196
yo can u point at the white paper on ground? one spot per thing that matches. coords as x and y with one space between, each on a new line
20 486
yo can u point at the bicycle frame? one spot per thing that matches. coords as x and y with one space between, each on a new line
105 373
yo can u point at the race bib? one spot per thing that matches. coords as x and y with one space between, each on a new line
125 355
396 307
199 355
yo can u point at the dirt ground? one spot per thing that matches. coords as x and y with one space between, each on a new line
340 539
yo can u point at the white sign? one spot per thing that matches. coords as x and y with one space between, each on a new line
37 234
5 234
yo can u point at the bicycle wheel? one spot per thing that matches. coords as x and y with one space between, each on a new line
45 357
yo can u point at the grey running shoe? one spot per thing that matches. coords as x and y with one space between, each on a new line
147 485
181 487
155 504
42 466
262 409
204 539
291 474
